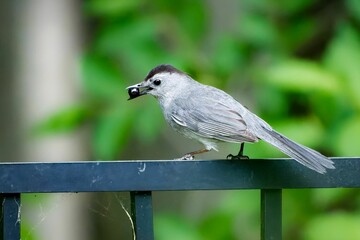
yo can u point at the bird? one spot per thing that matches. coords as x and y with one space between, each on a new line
210 115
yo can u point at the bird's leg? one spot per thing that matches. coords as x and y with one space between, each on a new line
190 156
240 154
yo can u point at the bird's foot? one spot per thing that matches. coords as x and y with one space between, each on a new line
186 157
237 157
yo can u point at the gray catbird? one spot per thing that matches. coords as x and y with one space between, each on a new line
210 115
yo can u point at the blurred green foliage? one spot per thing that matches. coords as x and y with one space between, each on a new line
297 62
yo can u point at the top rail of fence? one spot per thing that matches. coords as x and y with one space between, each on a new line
173 175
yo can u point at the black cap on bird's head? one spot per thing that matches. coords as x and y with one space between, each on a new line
160 69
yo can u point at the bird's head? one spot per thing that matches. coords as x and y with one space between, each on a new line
163 80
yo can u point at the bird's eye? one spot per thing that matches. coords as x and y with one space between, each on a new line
157 82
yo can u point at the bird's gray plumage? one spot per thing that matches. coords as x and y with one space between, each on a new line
209 115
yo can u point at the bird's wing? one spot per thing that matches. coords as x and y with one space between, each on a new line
210 116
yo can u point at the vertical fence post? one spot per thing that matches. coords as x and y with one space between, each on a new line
271 214
2 217
10 220
142 215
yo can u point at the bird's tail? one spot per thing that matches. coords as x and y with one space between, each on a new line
304 155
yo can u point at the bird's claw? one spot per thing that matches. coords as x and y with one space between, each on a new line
186 157
237 157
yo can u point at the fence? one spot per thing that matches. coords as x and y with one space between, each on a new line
140 178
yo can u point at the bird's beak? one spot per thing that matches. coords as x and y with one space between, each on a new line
138 90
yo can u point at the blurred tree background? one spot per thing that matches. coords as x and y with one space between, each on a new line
294 63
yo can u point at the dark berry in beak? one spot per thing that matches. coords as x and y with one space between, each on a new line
133 92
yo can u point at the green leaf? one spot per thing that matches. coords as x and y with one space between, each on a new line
334 226
110 7
149 121
181 21
299 33
326 197
127 37
257 29
174 227
101 78
192 19
302 76
111 132
297 207
34 198
353 7
27 230
134 44
246 202
236 210
348 133
65 120
218 226
227 55
343 58
292 7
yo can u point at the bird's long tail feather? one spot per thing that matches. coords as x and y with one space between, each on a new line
304 155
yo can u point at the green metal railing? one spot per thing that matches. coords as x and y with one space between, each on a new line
140 178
